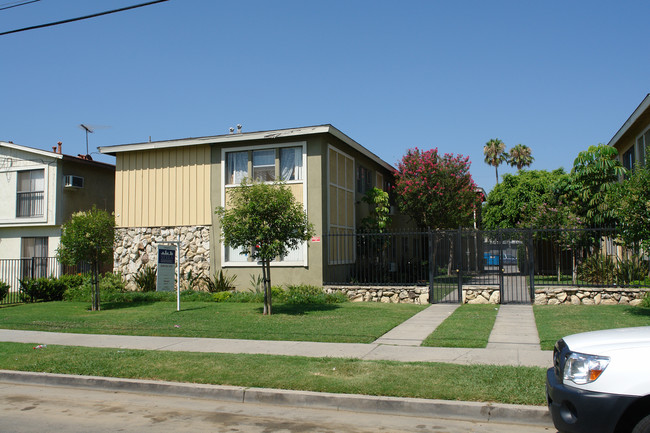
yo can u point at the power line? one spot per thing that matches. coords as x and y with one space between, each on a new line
40 26
16 4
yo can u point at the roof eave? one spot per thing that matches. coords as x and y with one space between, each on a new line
643 106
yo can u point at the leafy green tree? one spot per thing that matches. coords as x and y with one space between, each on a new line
495 153
437 191
520 156
515 200
266 221
88 237
631 203
379 218
596 173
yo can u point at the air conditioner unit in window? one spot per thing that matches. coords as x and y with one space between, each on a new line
71 181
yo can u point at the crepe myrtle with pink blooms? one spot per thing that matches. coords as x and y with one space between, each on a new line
438 192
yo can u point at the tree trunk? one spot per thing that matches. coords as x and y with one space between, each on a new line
266 274
95 286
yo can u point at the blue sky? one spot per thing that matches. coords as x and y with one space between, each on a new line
556 76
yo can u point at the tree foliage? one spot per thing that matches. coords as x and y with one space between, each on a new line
596 173
436 191
495 154
88 237
515 200
266 221
520 156
631 203
379 218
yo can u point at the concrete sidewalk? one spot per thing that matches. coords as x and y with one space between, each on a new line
400 344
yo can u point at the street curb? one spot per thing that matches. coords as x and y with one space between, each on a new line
473 411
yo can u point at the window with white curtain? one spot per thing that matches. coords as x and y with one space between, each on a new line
237 167
290 163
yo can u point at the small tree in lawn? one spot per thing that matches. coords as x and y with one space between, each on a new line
436 191
88 237
266 221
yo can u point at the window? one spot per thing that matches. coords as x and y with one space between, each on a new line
237 167
628 159
30 193
642 143
264 165
290 163
34 257
364 179
341 246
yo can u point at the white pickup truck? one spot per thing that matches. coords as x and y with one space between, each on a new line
600 382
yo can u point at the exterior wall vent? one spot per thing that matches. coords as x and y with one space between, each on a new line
71 181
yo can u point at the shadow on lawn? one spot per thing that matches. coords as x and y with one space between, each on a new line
299 309
638 311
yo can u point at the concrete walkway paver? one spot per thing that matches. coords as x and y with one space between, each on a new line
514 328
416 329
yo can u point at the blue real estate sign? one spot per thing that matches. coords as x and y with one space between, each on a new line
166 267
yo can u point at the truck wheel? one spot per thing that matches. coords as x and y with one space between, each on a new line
642 426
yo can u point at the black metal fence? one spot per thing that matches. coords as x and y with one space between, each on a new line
13 270
515 260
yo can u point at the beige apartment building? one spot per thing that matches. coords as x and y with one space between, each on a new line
168 190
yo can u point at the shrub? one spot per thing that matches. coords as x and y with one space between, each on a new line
220 282
4 289
597 269
41 289
109 285
194 281
72 281
145 279
305 294
630 270
221 296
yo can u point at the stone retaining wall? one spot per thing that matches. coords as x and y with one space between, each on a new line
412 294
491 295
136 247
589 296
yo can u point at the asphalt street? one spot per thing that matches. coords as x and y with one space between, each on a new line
26 408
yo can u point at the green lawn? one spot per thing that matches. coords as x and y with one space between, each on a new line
346 323
557 321
515 385
468 326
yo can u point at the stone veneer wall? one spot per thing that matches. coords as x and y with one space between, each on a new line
589 296
491 295
136 247
412 295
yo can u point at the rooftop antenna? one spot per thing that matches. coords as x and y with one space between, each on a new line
88 129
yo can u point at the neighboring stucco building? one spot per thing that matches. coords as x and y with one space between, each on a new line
168 190
39 191
633 138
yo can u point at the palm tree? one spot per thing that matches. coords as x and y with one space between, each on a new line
520 156
495 153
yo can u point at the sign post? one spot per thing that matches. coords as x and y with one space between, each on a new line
165 276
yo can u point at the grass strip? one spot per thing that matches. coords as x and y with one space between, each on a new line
504 384
557 321
342 323
469 326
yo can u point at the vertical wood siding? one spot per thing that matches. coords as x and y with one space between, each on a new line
163 187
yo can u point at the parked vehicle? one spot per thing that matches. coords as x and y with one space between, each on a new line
599 382
491 259
509 259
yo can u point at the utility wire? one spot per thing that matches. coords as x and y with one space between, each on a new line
16 4
40 26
